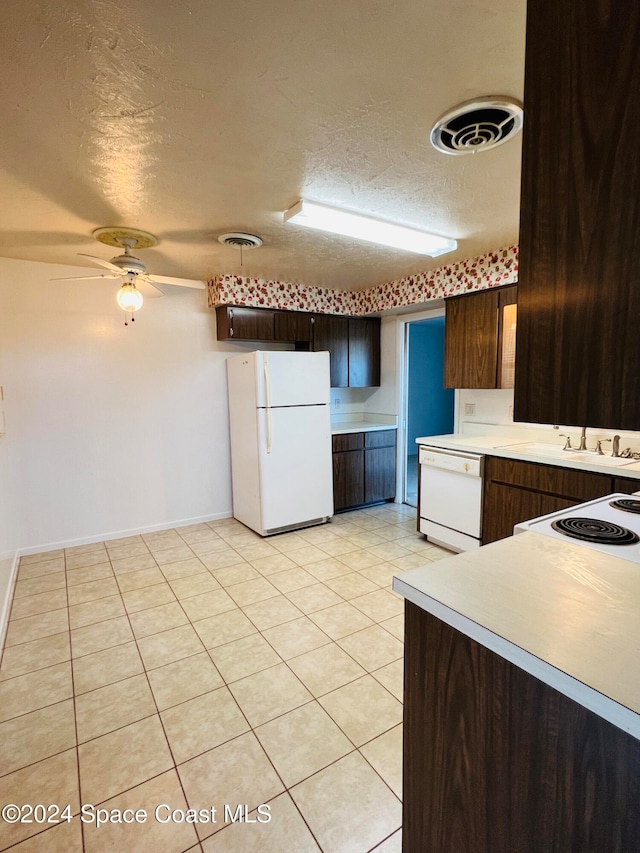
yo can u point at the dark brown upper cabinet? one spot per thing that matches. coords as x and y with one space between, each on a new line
353 343
578 355
244 324
331 332
479 342
294 326
364 352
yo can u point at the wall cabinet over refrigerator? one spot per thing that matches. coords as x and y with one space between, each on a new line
479 342
578 359
353 343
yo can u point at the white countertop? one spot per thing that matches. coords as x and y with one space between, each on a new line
507 447
361 422
566 614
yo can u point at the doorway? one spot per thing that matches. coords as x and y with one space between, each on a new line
429 406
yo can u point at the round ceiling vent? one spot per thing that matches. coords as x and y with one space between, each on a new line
240 239
477 126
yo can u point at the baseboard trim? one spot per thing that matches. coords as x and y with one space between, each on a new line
6 597
121 534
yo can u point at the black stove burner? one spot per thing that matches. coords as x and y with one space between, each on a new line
595 530
626 505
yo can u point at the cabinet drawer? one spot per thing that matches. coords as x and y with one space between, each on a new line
380 438
581 485
348 441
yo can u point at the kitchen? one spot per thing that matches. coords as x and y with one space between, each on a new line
113 431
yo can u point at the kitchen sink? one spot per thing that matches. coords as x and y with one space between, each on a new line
554 451
542 449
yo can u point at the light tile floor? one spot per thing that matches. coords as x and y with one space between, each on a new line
205 666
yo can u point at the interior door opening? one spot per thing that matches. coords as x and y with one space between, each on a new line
429 406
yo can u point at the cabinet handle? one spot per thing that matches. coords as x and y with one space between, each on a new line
231 332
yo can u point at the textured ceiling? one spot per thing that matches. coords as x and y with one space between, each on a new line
189 118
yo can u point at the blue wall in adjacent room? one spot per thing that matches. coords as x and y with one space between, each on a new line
430 405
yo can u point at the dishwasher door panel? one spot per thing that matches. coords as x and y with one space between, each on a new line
451 499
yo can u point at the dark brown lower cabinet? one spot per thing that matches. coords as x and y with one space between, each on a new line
516 491
496 761
348 479
380 474
364 468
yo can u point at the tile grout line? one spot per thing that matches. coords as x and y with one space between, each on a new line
259 632
75 710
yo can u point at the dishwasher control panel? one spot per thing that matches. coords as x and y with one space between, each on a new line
452 460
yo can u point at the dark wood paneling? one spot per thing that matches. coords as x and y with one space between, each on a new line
505 506
516 491
293 326
332 333
348 479
564 482
578 359
495 761
626 485
244 324
364 352
382 438
379 474
471 340
347 441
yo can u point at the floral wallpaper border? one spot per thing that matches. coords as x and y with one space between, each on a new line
489 270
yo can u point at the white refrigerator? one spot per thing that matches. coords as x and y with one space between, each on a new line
279 416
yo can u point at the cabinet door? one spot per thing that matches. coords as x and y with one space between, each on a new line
471 340
331 332
579 265
505 506
348 479
364 352
244 324
379 474
293 326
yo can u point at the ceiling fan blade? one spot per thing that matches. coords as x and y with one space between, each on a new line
101 262
178 282
84 277
147 289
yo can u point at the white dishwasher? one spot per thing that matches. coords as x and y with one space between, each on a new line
451 497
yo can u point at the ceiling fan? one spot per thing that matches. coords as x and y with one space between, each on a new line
136 280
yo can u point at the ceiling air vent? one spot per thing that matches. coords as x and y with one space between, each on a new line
477 126
241 240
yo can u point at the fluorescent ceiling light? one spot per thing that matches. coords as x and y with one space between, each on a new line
336 221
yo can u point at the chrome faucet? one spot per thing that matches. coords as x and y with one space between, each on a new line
567 444
583 439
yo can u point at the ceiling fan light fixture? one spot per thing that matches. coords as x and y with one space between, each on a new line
368 228
129 297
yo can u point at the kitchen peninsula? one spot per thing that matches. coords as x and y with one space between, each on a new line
522 701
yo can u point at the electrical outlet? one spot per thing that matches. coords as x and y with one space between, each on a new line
337 403
469 408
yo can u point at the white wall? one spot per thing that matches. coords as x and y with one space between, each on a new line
384 400
109 429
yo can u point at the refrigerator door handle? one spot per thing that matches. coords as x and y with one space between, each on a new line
267 391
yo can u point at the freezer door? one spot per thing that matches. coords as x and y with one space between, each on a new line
296 477
292 378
